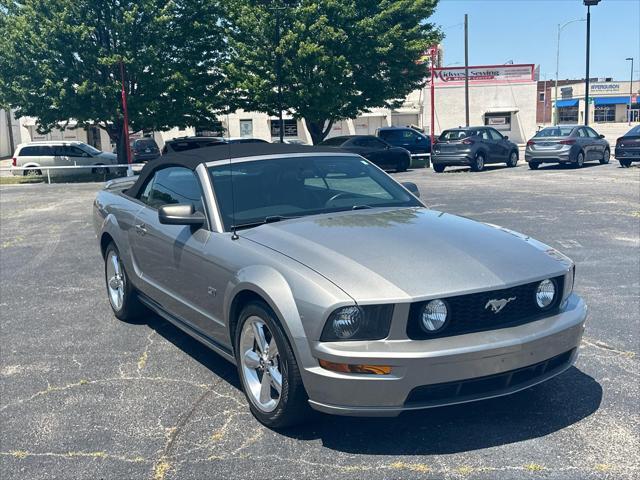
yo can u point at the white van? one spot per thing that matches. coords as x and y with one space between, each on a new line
59 154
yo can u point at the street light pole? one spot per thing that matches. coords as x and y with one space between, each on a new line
560 28
466 69
279 74
630 88
588 3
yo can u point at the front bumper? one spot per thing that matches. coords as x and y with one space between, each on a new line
416 365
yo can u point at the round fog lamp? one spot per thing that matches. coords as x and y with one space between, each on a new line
545 293
434 316
346 322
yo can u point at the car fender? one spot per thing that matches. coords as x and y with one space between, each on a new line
272 286
30 164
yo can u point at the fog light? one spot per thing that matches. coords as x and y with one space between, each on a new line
434 316
545 293
347 368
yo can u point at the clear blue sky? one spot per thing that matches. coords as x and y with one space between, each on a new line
525 31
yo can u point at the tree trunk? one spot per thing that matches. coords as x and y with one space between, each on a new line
318 129
115 132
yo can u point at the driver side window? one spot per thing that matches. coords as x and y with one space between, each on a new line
171 186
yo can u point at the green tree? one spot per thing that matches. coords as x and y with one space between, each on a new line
338 57
60 60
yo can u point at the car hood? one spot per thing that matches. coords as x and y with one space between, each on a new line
410 253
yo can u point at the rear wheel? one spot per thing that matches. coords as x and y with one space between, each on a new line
579 160
513 159
268 369
534 165
605 157
438 168
122 296
478 163
32 172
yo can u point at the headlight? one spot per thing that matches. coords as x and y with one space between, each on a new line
545 293
434 316
369 322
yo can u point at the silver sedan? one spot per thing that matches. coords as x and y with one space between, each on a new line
333 287
567 144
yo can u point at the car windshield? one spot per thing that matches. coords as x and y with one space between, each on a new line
334 142
89 149
633 132
262 191
555 132
141 144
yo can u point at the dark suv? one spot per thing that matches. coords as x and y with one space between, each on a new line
144 149
182 144
473 146
418 144
628 147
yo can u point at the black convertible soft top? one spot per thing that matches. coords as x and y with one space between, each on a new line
192 158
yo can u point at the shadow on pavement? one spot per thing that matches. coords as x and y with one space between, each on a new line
533 413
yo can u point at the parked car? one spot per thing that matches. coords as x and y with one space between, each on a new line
144 150
473 146
373 149
628 147
59 154
567 144
182 144
244 140
331 286
418 144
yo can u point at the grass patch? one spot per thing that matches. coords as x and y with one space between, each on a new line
78 178
13 180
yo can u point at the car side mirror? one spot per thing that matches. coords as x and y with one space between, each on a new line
600 136
180 214
412 187
505 137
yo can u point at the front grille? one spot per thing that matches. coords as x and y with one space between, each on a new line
491 384
473 313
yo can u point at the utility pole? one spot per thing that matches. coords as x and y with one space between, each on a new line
466 69
279 73
125 127
12 145
588 3
630 88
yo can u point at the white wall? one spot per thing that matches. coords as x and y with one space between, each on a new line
450 111
16 129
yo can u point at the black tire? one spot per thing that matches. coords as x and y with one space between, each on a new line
606 157
131 308
579 160
95 171
31 173
534 165
478 163
438 168
293 406
403 165
625 163
513 159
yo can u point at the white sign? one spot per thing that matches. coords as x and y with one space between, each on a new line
485 74
605 87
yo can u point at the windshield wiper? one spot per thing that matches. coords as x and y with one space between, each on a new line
268 219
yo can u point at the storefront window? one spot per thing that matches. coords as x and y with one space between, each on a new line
501 120
568 114
290 128
604 113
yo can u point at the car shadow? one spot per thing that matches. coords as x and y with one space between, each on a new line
567 166
487 168
533 413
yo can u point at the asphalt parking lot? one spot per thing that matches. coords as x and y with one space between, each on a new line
85 396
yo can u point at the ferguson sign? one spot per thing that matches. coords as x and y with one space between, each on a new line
492 74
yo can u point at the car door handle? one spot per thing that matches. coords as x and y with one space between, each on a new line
141 229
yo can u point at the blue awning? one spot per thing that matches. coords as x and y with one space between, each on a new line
610 100
567 103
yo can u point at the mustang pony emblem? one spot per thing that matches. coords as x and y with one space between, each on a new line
497 305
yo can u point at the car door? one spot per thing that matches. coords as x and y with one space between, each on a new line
171 259
586 143
502 147
490 145
598 144
59 158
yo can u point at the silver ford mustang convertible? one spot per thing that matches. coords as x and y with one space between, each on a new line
332 286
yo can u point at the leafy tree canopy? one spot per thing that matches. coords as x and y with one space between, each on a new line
60 59
338 57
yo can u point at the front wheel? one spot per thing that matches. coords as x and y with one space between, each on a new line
268 369
122 296
403 165
513 160
605 157
625 163
534 165
478 164
438 168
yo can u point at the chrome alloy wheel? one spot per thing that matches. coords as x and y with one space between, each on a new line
115 280
261 366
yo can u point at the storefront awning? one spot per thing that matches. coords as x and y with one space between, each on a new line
610 100
567 103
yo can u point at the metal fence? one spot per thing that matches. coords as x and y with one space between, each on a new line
90 169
